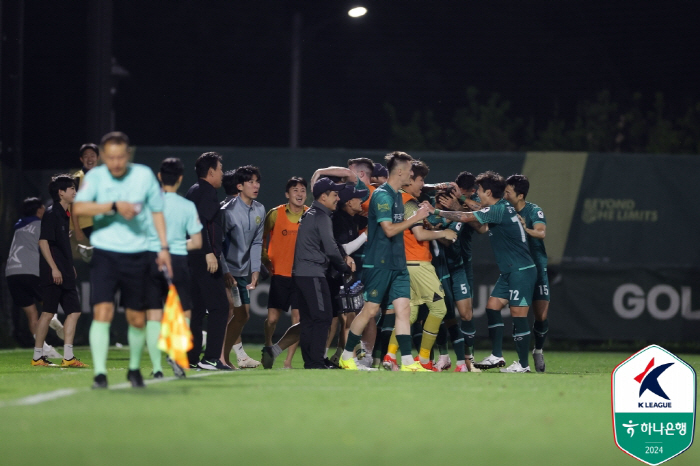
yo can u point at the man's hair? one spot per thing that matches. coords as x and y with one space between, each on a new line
87 146
395 158
60 183
30 205
520 184
171 169
466 181
493 181
245 173
229 183
206 161
366 164
293 181
115 137
419 169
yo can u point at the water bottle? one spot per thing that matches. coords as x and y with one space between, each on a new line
236 296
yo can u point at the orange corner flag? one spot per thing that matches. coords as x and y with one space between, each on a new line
175 336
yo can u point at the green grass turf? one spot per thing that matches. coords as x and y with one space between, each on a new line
298 417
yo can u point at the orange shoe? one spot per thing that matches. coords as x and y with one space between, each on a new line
75 362
390 363
43 361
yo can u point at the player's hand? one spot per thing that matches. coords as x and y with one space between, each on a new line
212 263
229 280
127 209
253 281
423 211
450 235
164 262
57 276
522 221
351 263
80 236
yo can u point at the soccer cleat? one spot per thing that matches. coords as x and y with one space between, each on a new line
465 368
43 362
267 358
100 381
136 379
390 363
75 362
415 367
57 326
516 367
331 363
429 365
178 371
209 365
50 352
248 363
470 358
335 359
158 375
491 362
444 363
539 361
366 361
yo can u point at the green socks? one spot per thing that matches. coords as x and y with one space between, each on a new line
387 329
469 332
541 329
137 339
353 341
521 336
457 341
495 322
99 346
404 345
152 335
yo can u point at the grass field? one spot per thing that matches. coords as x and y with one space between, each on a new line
297 417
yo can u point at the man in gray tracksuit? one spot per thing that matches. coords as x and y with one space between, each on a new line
243 224
315 250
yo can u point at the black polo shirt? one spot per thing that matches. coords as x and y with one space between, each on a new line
206 200
55 225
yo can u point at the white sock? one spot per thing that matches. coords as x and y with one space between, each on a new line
347 355
240 352
38 353
406 360
276 350
459 363
68 352
325 355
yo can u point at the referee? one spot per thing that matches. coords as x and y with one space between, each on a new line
315 249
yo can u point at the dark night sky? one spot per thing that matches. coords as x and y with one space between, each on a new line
217 72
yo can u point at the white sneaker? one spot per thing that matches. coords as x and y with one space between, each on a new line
516 367
539 360
491 362
85 252
443 363
57 326
50 352
366 361
247 362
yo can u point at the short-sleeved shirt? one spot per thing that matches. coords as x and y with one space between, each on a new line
532 213
55 225
381 252
507 235
112 232
181 219
453 252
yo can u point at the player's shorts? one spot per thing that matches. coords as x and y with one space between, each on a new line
541 286
449 298
283 295
385 286
112 271
469 271
425 285
460 285
55 294
243 292
157 286
517 287
24 289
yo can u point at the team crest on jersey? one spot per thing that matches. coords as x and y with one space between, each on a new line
540 214
383 207
485 209
374 293
258 220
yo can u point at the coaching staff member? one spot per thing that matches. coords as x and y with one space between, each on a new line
315 249
208 287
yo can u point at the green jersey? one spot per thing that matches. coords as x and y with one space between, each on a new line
453 252
532 214
507 236
385 205
181 219
439 261
112 232
465 237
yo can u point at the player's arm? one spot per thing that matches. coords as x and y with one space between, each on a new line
46 252
392 229
340 172
90 209
538 230
255 257
422 234
163 259
195 242
464 217
270 219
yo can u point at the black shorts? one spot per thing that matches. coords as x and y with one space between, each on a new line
55 294
24 289
156 288
112 271
283 294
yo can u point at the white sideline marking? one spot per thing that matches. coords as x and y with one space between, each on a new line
64 392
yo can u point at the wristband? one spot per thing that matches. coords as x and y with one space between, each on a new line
436 212
165 248
114 207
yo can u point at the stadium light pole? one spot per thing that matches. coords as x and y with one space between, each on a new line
295 79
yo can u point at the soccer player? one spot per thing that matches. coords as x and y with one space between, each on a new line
82 225
535 224
22 269
386 278
56 272
243 238
279 240
181 220
425 284
516 283
119 195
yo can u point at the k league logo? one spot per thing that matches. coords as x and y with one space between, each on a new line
653 404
